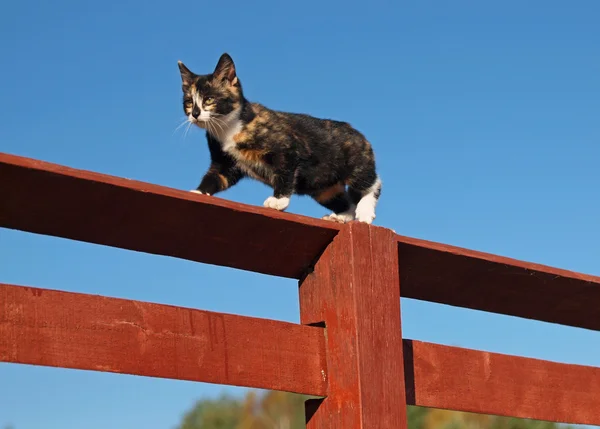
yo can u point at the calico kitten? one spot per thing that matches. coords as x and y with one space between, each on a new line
292 153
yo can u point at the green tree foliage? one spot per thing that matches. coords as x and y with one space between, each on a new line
222 413
279 410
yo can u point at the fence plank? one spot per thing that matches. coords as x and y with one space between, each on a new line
353 291
71 330
490 383
466 278
51 199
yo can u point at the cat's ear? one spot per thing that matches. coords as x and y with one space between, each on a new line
187 77
225 69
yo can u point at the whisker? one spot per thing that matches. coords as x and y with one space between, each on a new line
211 125
215 128
222 122
180 125
187 129
223 126
218 124
217 118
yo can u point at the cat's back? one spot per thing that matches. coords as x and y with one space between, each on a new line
312 126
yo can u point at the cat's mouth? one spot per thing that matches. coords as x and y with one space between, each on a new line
202 123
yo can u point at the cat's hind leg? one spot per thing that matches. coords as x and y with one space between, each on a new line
364 190
338 201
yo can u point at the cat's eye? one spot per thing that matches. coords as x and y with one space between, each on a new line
209 100
188 103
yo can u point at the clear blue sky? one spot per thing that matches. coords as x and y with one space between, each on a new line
484 118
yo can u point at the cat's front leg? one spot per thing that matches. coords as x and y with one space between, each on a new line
283 188
218 178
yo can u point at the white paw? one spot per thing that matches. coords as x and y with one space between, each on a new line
196 191
277 203
334 218
365 209
340 217
365 214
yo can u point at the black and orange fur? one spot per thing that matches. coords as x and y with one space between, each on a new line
292 153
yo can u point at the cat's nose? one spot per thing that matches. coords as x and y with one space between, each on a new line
195 112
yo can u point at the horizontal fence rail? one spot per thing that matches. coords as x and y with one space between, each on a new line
465 278
460 379
72 330
54 200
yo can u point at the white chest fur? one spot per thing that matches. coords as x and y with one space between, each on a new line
225 133
226 129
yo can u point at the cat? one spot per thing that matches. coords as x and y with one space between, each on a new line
290 152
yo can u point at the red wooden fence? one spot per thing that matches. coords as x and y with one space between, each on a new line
348 348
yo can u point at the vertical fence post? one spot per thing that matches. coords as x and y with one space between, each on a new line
354 291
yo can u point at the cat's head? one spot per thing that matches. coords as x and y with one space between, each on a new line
211 98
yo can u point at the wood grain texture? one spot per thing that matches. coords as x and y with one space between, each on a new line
490 383
354 292
54 200
70 330
466 278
